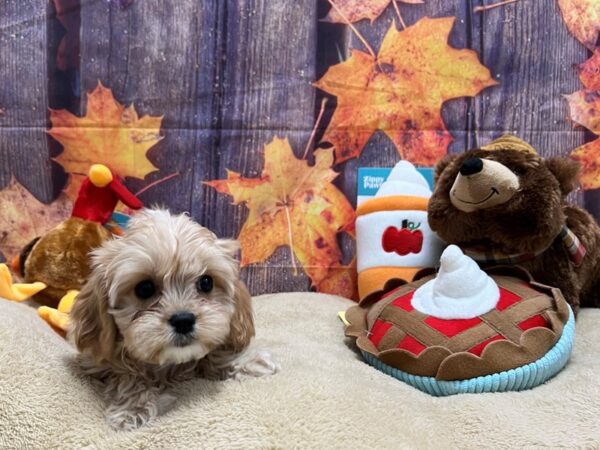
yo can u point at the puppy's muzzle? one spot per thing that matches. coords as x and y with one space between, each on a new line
183 322
482 183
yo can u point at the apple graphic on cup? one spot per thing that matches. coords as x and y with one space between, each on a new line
408 239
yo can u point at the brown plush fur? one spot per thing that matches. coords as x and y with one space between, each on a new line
60 258
529 221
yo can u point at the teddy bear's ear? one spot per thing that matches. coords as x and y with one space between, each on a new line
442 164
566 171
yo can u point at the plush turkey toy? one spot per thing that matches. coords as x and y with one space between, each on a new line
56 265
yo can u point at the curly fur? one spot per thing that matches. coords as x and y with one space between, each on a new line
528 222
129 345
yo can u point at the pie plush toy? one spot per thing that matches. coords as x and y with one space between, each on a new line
466 330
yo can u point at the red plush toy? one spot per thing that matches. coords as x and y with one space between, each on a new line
100 193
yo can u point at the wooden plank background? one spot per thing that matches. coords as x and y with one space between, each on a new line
530 52
24 148
229 75
269 60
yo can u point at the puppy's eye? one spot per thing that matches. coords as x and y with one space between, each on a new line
145 289
204 284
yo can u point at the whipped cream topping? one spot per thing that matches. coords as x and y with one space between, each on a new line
404 179
461 290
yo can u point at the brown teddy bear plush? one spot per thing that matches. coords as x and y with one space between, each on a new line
505 204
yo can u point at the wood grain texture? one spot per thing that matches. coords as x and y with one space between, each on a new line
162 57
269 61
527 47
227 83
24 97
229 75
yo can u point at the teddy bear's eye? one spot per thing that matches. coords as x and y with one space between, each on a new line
204 284
519 171
145 289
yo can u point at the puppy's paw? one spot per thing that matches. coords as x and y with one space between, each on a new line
258 363
165 403
250 362
130 417
127 420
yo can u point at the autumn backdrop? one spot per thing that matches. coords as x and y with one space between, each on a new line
254 115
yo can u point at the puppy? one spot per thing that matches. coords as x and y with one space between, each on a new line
163 303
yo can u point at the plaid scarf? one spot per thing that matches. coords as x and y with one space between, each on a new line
571 242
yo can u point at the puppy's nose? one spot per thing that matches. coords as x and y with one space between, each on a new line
471 166
183 322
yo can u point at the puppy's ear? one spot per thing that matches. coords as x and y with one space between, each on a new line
229 246
442 164
92 328
566 171
242 322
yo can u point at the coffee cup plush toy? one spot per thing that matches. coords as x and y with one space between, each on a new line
505 204
393 238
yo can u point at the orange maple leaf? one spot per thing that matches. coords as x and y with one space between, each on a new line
109 133
589 71
585 109
402 91
340 280
355 10
588 156
24 218
291 204
583 20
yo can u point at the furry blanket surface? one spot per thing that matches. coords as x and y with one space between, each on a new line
325 397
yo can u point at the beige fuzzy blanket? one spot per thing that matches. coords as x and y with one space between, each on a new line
324 398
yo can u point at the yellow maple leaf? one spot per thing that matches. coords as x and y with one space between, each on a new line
401 91
291 204
109 134
588 156
583 20
24 218
585 109
355 10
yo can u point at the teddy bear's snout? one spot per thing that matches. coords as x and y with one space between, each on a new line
482 183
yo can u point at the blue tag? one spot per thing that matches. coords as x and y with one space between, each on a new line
370 179
120 219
